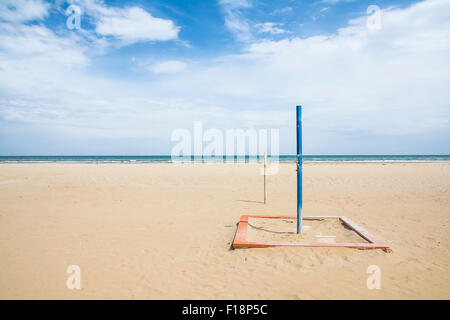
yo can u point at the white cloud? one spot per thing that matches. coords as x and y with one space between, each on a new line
383 78
135 24
270 27
23 10
235 4
336 1
127 25
36 41
244 29
282 10
171 66
235 20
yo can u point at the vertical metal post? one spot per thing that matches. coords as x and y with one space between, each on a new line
299 170
265 188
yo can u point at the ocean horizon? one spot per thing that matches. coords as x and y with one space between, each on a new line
221 159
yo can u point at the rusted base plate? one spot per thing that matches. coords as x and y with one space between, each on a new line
240 239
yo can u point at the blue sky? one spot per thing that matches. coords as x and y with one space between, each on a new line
137 70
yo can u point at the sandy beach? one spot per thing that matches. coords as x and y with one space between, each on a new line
163 231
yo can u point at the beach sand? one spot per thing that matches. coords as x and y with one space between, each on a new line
163 231
313 231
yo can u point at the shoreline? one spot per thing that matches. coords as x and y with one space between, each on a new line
224 162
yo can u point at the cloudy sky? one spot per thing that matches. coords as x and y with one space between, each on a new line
135 71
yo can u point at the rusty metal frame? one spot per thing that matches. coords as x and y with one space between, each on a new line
240 238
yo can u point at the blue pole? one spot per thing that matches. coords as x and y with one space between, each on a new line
299 170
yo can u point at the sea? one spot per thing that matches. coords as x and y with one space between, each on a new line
221 159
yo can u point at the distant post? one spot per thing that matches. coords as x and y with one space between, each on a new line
299 170
265 179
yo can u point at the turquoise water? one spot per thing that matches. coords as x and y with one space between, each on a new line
240 159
